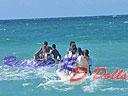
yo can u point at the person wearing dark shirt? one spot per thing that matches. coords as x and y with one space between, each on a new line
56 55
79 51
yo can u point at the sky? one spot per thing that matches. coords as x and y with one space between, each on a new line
23 9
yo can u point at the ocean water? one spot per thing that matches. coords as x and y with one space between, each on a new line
106 37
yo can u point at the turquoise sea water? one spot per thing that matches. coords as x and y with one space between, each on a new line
106 37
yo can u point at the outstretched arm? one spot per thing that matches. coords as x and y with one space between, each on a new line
39 51
59 55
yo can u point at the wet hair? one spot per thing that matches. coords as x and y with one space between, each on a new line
79 50
54 46
72 42
45 43
86 52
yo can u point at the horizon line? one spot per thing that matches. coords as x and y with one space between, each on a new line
61 17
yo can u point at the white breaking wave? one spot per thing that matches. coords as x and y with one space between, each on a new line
71 35
114 89
125 21
92 86
56 85
8 73
50 80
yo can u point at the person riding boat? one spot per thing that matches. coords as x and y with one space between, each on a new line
47 51
72 50
48 48
43 53
89 60
82 61
79 55
79 52
72 56
55 53
38 56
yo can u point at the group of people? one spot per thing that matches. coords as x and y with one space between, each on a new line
82 56
46 53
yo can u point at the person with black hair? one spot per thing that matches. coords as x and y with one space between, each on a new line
47 48
89 60
43 52
79 51
55 53
72 49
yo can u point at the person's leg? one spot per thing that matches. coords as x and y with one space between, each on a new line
90 70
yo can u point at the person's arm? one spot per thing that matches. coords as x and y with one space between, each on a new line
59 55
39 51
52 54
90 61
50 48
68 51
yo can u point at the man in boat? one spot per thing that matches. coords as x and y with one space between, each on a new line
55 53
89 60
69 61
44 52
72 50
